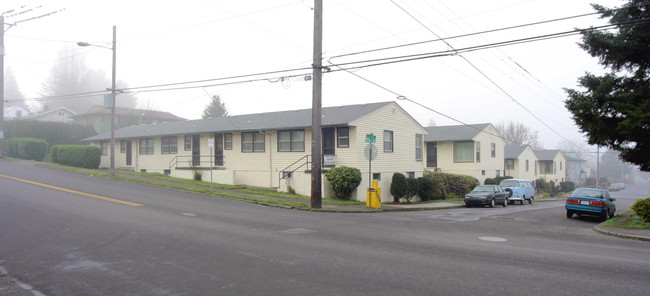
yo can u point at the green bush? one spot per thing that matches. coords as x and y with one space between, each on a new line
440 186
567 186
398 186
26 148
343 181
425 192
542 186
490 181
446 184
84 156
55 133
642 208
499 179
53 151
413 187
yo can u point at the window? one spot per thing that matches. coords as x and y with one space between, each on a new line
482 172
478 151
188 143
388 141
291 140
547 167
560 165
123 146
526 164
252 142
376 176
498 173
535 168
418 147
227 141
510 164
287 175
410 175
146 146
343 140
493 148
463 151
61 113
104 146
168 145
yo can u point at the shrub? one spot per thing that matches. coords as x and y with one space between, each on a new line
413 187
84 156
542 186
490 181
343 181
53 151
55 133
425 192
499 179
567 186
642 208
445 184
398 186
440 186
26 148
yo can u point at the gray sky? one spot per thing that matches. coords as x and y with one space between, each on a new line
167 42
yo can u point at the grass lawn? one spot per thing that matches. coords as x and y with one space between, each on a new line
627 220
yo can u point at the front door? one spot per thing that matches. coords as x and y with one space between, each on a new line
196 150
218 149
128 153
329 142
432 154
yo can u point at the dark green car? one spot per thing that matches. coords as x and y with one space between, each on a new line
490 195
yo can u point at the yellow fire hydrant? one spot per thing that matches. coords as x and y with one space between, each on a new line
373 198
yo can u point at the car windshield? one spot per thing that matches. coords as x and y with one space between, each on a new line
483 189
583 192
509 183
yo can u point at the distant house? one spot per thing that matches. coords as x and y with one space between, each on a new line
100 117
60 114
475 150
552 165
520 162
576 168
273 149
15 112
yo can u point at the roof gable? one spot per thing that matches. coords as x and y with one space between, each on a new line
546 155
513 151
454 132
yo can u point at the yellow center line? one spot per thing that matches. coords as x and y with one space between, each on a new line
72 191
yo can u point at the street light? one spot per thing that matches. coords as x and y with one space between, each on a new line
112 95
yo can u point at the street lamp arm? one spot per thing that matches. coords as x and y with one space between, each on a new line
84 44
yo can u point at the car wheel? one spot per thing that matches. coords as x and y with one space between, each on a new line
605 215
492 203
569 214
468 205
505 202
521 202
530 201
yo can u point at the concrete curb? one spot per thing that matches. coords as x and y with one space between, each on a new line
610 231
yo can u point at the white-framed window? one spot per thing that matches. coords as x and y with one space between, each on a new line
493 150
510 164
388 141
418 147
478 151
463 151
188 143
227 141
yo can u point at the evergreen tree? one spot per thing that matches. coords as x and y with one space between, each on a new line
614 109
216 108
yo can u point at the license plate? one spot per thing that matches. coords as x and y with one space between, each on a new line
584 202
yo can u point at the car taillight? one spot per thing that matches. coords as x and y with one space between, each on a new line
571 200
597 203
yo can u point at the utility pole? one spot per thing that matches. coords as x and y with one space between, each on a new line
316 112
2 85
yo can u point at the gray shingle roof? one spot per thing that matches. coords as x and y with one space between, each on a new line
454 132
513 151
546 155
332 116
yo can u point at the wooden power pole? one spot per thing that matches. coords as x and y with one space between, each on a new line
316 112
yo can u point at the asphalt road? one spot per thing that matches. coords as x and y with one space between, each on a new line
92 236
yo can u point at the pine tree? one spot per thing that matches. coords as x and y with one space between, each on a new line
216 108
614 110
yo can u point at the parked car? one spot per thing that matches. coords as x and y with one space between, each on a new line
614 187
490 195
592 202
519 190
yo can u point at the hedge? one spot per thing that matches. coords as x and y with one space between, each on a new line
343 181
26 148
55 133
642 208
84 156
444 184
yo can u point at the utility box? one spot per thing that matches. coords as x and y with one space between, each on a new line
373 198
